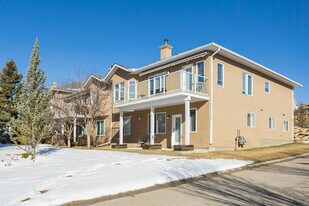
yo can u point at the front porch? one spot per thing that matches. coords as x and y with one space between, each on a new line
163 120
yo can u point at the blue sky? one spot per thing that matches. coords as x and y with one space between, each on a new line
92 35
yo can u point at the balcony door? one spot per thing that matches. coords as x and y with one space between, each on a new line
176 129
188 77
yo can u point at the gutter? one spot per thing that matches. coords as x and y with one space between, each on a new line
211 97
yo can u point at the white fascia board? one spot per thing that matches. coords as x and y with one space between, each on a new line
89 78
114 69
260 67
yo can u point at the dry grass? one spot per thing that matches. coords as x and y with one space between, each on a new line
257 154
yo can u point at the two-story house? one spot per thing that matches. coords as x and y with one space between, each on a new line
203 97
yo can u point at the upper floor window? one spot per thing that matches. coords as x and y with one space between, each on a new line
100 128
94 97
220 74
119 93
285 126
251 120
267 87
157 84
271 123
200 72
132 89
247 84
126 125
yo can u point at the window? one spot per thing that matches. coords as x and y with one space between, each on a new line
126 125
94 97
271 123
157 84
193 120
100 128
267 87
132 89
119 92
200 72
251 120
285 126
220 80
160 123
247 84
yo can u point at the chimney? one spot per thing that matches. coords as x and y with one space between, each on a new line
53 86
165 50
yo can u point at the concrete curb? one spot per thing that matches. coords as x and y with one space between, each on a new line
254 165
278 160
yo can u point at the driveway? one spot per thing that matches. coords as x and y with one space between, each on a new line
284 183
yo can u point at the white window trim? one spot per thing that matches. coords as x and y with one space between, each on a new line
287 127
119 92
274 119
135 83
222 86
124 134
156 129
247 85
268 87
101 120
196 70
195 120
251 121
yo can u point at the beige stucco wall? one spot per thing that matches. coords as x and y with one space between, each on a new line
231 108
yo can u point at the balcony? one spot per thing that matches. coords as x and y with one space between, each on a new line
161 85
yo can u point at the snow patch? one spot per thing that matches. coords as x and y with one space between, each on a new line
59 176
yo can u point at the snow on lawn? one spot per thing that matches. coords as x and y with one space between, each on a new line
59 176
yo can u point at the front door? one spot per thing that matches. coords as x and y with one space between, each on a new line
176 129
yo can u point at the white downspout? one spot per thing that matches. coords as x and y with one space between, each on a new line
211 96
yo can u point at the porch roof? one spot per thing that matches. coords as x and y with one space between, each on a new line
162 101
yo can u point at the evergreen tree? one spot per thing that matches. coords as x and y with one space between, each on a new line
9 86
33 107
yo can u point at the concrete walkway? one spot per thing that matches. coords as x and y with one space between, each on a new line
284 183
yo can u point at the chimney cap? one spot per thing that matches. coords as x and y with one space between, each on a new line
165 41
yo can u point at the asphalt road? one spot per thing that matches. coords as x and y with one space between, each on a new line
285 183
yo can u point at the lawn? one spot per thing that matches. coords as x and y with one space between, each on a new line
62 175
257 154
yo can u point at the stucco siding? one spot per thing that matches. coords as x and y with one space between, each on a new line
231 108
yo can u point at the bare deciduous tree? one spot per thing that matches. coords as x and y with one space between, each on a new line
84 104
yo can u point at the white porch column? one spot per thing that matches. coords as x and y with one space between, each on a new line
121 128
62 129
187 120
74 131
152 125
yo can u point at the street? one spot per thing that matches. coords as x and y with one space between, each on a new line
283 183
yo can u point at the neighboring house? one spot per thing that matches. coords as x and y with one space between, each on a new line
200 97
76 103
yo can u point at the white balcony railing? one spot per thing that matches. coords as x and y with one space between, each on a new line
165 83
